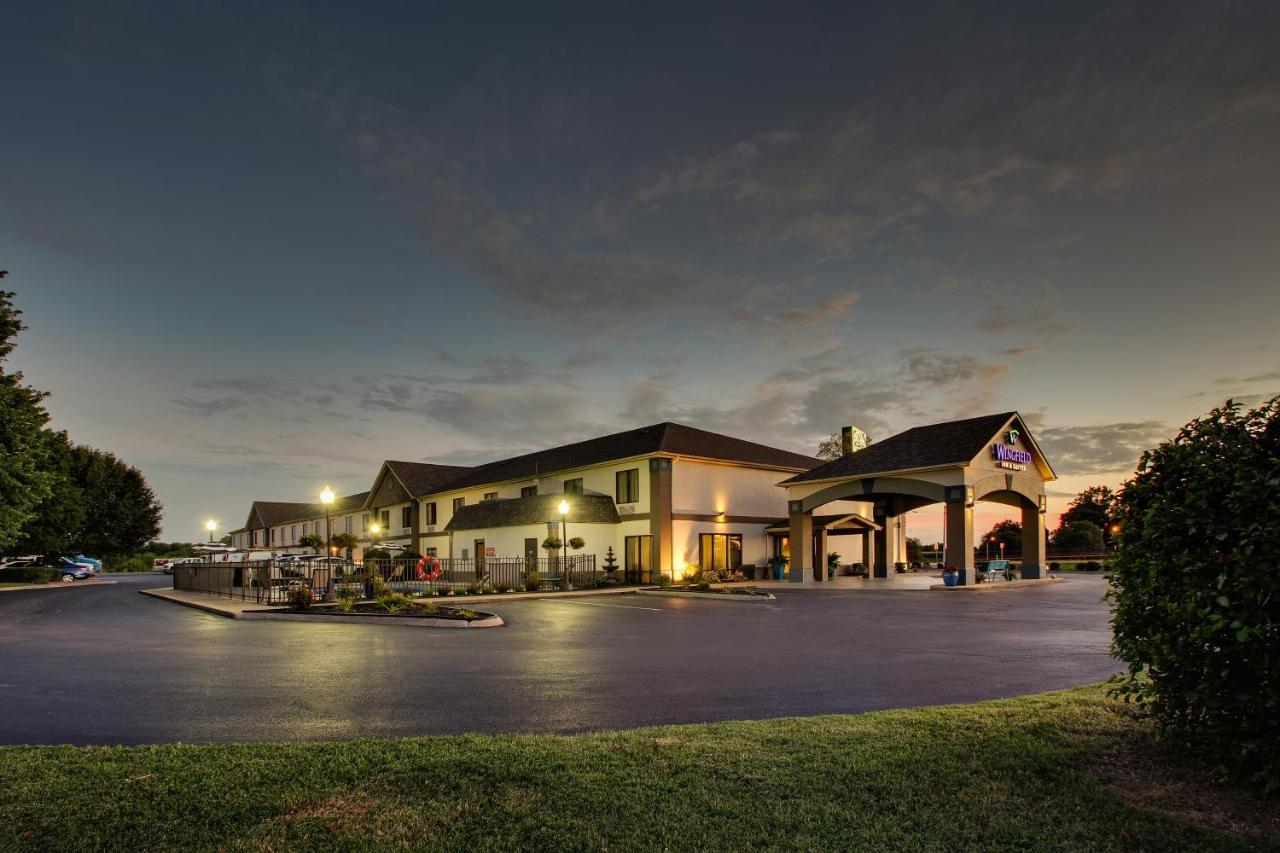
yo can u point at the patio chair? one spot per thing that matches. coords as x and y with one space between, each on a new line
996 569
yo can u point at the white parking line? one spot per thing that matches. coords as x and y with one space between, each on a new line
598 604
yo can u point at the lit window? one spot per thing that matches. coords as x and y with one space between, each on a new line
628 486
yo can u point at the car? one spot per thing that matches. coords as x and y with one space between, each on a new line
74 572
161 564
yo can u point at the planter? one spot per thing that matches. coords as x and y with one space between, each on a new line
951 578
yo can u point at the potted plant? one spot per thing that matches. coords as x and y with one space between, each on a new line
779 565
833 564
950 575
858 570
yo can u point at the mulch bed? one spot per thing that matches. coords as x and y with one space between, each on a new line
421 610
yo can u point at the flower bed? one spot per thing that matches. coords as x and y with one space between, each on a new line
416 609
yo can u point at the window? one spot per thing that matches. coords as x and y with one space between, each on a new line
528 491
628 485
293 533
430 512
720 551
346 524
458 503
364 523
384 519
406 516
431 552
491 496
637 559
573 487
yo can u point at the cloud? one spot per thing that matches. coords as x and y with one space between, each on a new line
1102 448
830 308
1269 376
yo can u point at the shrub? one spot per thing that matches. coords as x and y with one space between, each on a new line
376 554
1093 566
394 602
347 598
300 595
532 581
475 588
1055 566
503 586
900 568
664 581
1195 589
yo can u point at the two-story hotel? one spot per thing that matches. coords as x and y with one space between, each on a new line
667 496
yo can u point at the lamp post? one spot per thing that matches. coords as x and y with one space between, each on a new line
564 533
326 498
1002 549
211 526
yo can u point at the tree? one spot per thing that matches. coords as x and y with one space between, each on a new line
121 513
1009 532
25 478
1195 591
56 526
311 540
914 549
1096 505
1078 536
345 541
833 447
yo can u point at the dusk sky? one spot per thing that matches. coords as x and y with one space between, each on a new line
263 247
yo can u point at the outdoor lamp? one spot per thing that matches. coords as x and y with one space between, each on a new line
564 507
375 528
211 526
326 496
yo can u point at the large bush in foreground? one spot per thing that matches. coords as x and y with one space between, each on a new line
1197 587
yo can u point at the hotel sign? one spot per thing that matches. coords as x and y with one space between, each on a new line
1008 455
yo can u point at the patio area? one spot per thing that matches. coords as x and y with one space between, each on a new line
911 581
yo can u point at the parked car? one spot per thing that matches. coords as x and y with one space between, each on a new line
161 564
70 571
79 562
75 572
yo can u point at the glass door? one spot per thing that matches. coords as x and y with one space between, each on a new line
637 559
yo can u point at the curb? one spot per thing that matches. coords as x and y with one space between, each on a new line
195 605
493 621
708 596
59 585
992 587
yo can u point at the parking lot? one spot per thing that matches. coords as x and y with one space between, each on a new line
107 665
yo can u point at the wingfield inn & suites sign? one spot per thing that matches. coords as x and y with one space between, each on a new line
1009 455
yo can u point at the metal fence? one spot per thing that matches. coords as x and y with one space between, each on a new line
269 581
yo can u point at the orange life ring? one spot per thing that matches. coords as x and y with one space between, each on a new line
423 573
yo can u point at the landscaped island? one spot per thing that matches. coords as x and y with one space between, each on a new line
1060 771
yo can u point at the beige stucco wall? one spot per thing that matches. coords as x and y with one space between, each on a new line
709 488
755 542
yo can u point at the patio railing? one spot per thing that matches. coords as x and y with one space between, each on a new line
268 581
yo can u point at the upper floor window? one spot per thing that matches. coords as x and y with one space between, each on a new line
406 516
491 496
430 513
293 533
384 519
458 503
346 524
628 485
528 491
573 487
364 523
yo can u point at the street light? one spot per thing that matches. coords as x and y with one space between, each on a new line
988 550
326 498
211 526
564 533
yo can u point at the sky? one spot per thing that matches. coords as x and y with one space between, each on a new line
262 247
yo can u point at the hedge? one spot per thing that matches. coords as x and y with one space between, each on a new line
30 574
1196 588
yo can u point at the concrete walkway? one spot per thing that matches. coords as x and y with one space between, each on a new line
917 582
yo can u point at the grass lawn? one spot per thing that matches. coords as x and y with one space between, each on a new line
1060 771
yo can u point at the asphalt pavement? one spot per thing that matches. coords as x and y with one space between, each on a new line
105 665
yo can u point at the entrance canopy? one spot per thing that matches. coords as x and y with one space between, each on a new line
957 463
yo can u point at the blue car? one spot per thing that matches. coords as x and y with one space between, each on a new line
74 573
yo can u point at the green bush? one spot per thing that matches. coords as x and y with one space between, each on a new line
532 581
664 581
300 595
503 586
394 602
376 554
30 574
1055 566
1196 590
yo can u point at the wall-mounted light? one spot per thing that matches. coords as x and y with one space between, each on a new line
968 496
1044 503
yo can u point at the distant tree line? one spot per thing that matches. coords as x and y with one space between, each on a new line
56 496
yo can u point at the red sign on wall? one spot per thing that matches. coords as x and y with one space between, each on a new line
491 552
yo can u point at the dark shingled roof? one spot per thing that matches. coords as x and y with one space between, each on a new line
423 478
950 443
538 509
675 439
278 512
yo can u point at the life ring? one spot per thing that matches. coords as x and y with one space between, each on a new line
428 575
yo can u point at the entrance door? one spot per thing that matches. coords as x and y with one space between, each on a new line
531 555
479 559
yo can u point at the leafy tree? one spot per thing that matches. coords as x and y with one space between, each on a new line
58 520
1009 532
314 541
1078 536
1096 505
1196 591
914 549
121 513
25 478
830 448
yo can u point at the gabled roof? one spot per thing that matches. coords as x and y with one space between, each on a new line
665 438
538 509
423 478
851 520
271 513
933 446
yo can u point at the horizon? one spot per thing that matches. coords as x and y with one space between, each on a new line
261 251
